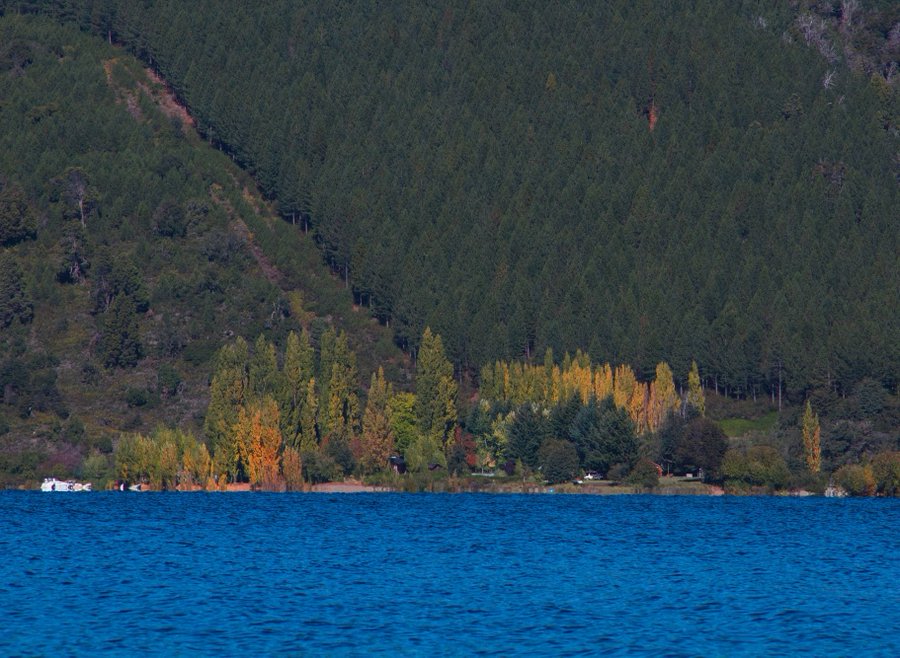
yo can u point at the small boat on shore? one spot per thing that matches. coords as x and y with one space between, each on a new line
52 484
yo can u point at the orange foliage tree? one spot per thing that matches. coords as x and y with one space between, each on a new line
259 438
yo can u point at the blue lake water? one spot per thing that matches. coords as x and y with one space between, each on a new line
400 574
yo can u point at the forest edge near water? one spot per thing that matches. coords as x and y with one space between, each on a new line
864 397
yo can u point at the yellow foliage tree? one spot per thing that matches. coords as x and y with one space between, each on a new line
377 437
812 448
292 469
259 440
663 397
623 386
695 391
603 382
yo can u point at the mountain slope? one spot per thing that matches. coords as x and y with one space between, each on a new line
644 181
131 252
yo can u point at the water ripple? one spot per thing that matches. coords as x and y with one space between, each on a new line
426 575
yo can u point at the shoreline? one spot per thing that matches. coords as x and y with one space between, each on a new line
352 486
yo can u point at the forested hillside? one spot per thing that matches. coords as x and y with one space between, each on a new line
130 252
642 180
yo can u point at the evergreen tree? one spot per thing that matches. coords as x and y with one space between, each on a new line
296 373
120 345
404 426
435 391
263 377
343 400
227 393
17 219
15 304
309 437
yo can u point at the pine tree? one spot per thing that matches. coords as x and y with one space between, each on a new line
120 344
262 372
326 361
15 304
695 398
227 393
343 400
812 449
435 390
295 375
17 219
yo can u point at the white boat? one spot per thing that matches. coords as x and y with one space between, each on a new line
52 484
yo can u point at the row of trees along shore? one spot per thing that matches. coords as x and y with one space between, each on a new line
289 420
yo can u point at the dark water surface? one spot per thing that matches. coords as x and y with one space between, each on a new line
319 574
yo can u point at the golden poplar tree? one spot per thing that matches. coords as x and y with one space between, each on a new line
812 448
377 435
292 469
695 391
663 398
261 437
603 382
623 386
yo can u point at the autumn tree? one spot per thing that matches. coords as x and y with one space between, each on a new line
695 398
258 439
663 398
377 438
812 449
292 469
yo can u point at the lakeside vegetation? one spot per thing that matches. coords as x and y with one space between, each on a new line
158 324
293 425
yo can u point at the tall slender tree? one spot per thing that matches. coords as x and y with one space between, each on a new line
435 390
812 449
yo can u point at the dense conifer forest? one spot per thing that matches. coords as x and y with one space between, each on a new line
706 193
644 181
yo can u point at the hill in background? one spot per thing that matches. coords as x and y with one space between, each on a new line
131 251
642 180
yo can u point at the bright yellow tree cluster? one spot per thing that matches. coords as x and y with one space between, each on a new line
648 403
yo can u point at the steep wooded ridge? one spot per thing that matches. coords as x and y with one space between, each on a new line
130 251
716 181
